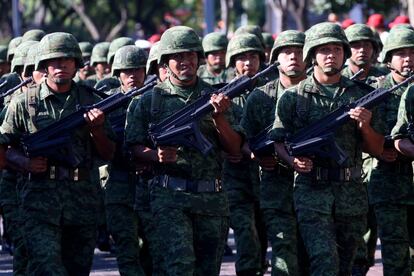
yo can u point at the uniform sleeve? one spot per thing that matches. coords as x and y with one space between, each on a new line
12 127
136 128
284 115
405 115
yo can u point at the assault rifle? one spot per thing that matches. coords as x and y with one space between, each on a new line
181 128
14 89
57 136
318 138
3 83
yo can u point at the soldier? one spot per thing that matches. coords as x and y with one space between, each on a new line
87 70
330 200
390 188
99 61
214 71
187 200
276 183
240 174
153 68
129 67
4 64
12 78
364 49
59 202
110 83
268 41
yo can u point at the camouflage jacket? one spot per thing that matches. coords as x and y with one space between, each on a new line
208 77
373 73
190 164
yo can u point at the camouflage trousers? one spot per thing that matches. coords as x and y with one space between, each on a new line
193 228
123 227
246 218
13 223
59 250
396 232
331 219
282 233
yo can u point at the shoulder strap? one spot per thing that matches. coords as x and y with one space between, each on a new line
155 103
270 89
32 102
302 102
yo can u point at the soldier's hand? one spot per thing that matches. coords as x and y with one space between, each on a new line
268 163
233 158
95 118
302 164
167 155
220 103
36 165
361 115
389 155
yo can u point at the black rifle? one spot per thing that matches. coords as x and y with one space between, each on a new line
14 89
3 83
261 146
181 128
47 141
318 138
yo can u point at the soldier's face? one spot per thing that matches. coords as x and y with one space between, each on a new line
162 72
402 60
291 61
247 63
330 58
60 70
184 66
102 68
131 78
362 52
216 59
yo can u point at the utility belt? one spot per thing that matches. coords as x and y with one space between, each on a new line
62 173
335 174
397 167
191 186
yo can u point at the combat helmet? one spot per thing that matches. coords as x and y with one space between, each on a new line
129 57
12 47
86 49
286 39
324 33
397 39
243 43
58 45
153 59
115 45
33 35
100 53
358 32
214 42
20 55
179 39
30 61
251 29
3 53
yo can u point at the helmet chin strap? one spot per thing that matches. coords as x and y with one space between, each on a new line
404 74
329 71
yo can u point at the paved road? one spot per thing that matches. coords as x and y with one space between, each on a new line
105 264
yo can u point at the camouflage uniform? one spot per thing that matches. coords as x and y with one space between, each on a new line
276 186
193 225
241 181
331 211
211 43
10 185
120 187
365 257
391 188
59 215
112 82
